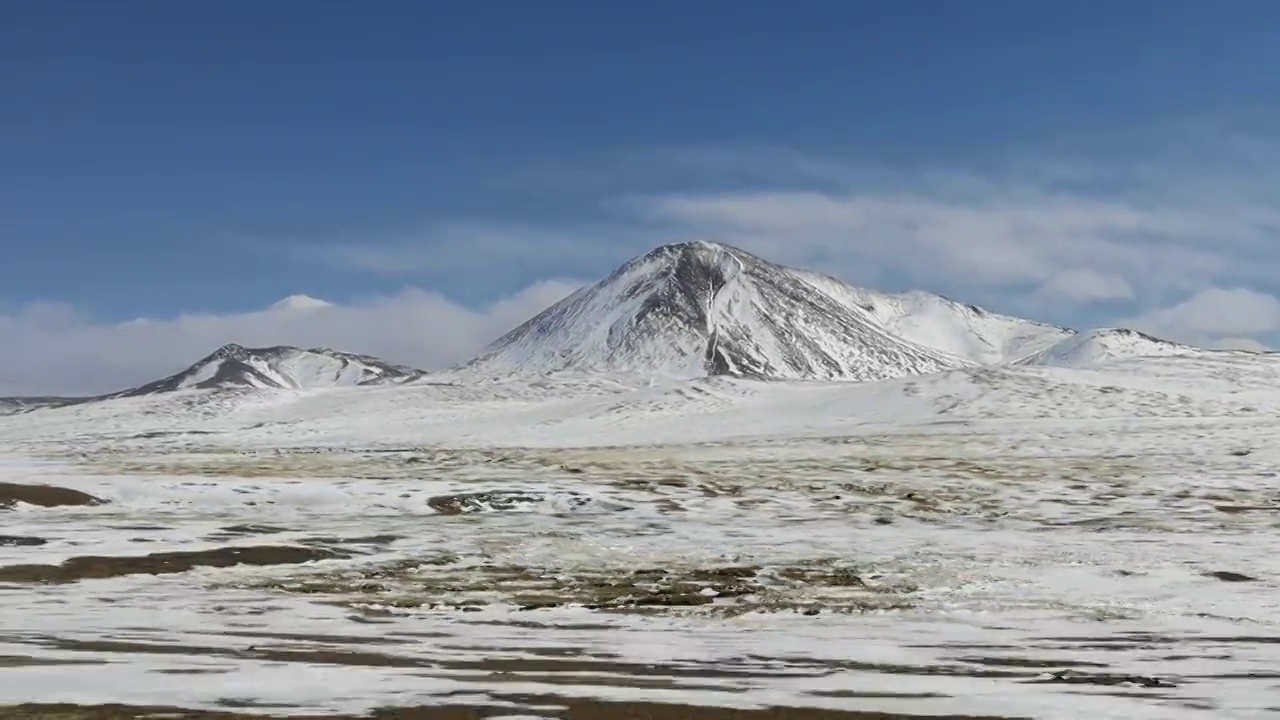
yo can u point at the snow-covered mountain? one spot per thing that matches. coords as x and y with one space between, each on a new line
234 366
692 310
701 308
300 303
1094 347
278 367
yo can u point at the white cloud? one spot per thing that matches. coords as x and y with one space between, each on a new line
1083 285
457 247
1001 238
61 351
1218 317
482 248
1035 249
1242 344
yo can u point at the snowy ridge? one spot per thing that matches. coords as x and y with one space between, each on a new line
944 325
698 309
278 367
1096 347
16 405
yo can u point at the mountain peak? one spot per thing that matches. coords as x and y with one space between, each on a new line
694 246
691 251
300 302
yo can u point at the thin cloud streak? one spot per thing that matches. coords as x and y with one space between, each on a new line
995 241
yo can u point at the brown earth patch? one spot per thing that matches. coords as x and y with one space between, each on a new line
101 567
547 706
499 500
21 541
813 587
43 496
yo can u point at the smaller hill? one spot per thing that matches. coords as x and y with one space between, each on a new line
234 366
1095 347
282 367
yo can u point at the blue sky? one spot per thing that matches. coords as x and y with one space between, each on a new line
455 165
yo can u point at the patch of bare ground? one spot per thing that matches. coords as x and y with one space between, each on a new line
438 584
500 500
17 661
570 666
568 670
21 541
43 496
551 706
100 567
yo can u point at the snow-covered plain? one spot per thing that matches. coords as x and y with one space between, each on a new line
1016 541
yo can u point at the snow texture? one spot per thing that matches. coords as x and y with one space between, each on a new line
1018 541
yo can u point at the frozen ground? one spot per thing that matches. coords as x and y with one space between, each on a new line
1028 542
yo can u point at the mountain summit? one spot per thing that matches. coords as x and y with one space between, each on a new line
701 308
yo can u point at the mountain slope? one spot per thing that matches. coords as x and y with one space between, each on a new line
17 405
695 309
1094 347
278 367
944 325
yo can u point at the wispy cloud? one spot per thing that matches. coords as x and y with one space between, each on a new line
1078 286
441 248
1187 251
1084 238
1063 235
1004 240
